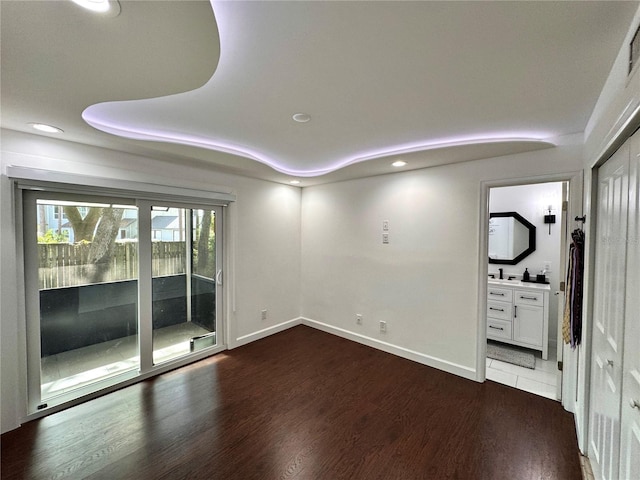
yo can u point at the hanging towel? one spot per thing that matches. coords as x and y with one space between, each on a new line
572 318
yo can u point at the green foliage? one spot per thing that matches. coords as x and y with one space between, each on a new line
54 237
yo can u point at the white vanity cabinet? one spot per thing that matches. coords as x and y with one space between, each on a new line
518 313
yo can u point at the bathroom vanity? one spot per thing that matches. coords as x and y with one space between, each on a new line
518 313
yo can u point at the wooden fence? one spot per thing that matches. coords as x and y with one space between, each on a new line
65 265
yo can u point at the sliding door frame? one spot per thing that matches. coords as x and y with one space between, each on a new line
27 265
145 290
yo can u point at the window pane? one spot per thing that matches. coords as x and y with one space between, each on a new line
203 282
87 273
183 318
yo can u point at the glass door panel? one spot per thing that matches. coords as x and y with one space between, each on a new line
203 278
183 284
87 257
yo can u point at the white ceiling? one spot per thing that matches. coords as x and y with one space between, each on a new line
217 84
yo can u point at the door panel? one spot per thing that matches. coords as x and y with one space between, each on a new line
528 324
630 419
83 265
184 281
608 314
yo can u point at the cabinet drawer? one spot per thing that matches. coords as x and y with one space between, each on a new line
529 298
498 329
499 310
500 294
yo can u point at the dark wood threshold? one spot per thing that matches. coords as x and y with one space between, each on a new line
301 404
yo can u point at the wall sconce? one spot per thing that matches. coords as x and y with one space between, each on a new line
549 218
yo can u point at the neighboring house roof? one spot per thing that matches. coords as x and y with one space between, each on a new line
165 222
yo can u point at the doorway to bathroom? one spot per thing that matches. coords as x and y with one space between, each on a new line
526 267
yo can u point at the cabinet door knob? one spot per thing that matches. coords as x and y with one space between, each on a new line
633 403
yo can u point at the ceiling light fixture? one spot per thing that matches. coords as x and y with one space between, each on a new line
295 182
42 127
399 163
112 7
301 117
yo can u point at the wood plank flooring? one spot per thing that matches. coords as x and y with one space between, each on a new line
302 404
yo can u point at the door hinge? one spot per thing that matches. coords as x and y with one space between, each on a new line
562 286
560 365
565 205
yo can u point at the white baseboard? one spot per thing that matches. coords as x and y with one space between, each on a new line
252 337
444 365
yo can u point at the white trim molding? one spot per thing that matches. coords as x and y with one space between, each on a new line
449 367
265 332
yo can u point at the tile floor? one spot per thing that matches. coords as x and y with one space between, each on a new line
76 368
541 380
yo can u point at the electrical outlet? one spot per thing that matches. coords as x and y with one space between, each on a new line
263 315
358 319
385 238
383 326
547 265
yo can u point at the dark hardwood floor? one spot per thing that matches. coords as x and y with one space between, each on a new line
301 404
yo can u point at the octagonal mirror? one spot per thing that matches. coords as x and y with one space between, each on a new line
511 238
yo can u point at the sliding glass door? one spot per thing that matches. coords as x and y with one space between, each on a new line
184 281
115 288
85 253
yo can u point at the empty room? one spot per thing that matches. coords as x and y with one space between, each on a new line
320 239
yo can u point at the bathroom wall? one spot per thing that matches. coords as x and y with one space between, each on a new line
532 202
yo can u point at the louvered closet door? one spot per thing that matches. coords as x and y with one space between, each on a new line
630 424
608 315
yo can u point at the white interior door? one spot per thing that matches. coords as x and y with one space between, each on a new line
608 315
630 418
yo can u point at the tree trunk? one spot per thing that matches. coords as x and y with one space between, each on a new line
83 228
103 244
203 245
42 221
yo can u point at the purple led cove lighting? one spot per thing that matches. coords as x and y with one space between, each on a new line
228 35
92 119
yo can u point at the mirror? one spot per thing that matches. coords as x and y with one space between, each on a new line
511 238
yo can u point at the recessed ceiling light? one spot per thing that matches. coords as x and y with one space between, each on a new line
301 117
100 6
399 163
294 182
42 127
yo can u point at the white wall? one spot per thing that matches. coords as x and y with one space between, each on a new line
424 284
264 229
531 202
